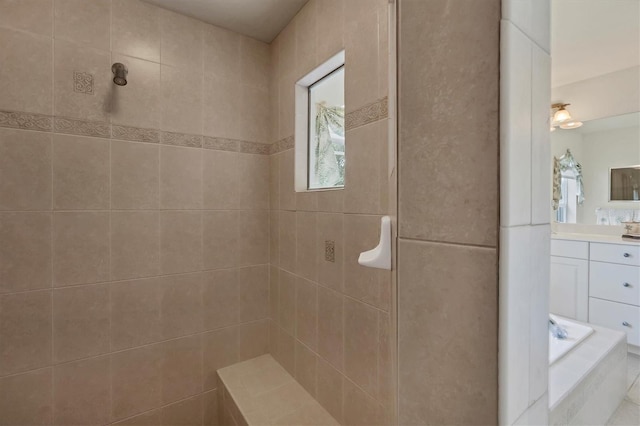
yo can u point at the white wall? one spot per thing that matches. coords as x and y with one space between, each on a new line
561 140
525 202
608 95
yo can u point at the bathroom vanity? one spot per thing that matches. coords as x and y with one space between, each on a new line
596 279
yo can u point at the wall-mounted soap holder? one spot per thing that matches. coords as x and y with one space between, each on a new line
380 256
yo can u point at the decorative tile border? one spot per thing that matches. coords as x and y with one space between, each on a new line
255 148
220 144
369 113
26 121
181 139
99 129
135 134
79 127
233 145
282 145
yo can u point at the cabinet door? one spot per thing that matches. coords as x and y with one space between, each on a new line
569 289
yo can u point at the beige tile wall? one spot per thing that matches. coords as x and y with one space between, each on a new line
448 211
134 221
331 321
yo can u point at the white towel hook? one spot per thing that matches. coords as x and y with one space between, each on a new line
380 256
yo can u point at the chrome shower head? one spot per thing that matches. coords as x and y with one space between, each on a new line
119 74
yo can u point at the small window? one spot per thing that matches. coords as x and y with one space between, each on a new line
320 128
326 132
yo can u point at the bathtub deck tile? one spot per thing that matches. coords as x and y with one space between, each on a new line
589 382
627 414
633 369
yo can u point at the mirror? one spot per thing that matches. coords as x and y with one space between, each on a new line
624 183
605 154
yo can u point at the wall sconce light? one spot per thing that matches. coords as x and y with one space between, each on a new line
562 118
571 125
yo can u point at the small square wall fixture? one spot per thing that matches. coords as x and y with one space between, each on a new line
319 127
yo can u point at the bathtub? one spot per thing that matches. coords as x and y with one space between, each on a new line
577 333
587 374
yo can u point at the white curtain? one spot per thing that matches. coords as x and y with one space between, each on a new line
562 164
329 131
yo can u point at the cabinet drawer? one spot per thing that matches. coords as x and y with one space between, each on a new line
619 283
616 316
568 248
615 253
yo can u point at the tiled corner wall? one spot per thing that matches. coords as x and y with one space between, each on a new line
134 220
448 148
331 319
524 215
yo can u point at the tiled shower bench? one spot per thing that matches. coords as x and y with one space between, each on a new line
260 392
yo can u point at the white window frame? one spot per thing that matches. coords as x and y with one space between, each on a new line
302 119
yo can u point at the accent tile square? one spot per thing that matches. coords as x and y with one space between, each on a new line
83 82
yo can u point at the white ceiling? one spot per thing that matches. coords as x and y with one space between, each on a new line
593 37
260 19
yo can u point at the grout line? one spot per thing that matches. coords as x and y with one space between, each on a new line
131 210
355 299
51 219
119 351
524 33
448 243
531 140
120 281
53 61
162 406
340 372
109 307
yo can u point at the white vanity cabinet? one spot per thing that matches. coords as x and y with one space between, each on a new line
597 281
614 288
569 286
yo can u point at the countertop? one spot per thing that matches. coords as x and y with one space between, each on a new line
596 238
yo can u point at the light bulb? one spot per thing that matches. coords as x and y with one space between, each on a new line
561 116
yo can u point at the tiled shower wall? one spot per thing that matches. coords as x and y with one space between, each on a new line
448 58
134 221
330 318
